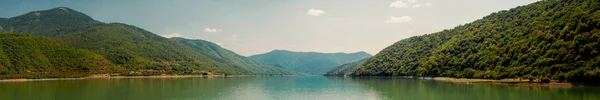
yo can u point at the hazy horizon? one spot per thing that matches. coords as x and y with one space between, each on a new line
256 27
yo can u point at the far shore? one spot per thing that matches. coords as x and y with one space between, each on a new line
516 82
100 76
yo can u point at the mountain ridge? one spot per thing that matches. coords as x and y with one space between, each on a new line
313 63
228 56
127 46
49 22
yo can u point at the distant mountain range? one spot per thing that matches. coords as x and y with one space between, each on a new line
313 63
238 62
545 40
137 51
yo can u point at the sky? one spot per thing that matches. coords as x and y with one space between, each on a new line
250 27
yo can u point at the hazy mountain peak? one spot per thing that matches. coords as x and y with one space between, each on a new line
288 51
314 63
361 52
278 50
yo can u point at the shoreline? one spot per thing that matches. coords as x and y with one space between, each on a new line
510 82
106 76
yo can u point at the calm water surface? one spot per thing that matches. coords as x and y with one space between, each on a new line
281 88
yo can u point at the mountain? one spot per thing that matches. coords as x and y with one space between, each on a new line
26 56
138 50
233 59
308 62
550 39
345 69
49 22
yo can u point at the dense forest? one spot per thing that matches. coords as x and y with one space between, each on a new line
547 40
25 56
50 22
137 49
313 63
128 47
345 69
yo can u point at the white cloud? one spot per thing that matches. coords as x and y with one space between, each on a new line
171 35
404 3
428 4
212 30
398 4
315 12
402 19
412 1
416 6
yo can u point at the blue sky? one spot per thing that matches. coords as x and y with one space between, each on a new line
251 27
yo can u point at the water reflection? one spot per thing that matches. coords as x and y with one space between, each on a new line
118 89
280 88
415 89
299 88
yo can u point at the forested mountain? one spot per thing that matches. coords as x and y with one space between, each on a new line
313 63
233 59
25 56
345 69
49 22
550 39
127 46
135 48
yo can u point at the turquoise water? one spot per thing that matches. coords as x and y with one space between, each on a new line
281 88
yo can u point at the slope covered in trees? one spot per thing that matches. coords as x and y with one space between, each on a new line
345 69
25 56
127 46
49 22
233 59
552 39
313 63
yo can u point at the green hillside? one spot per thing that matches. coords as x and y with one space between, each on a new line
551 39
308 62
233 59
49 22
345 69
135 48
127 46
25 56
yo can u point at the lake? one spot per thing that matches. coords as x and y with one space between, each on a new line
280 88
